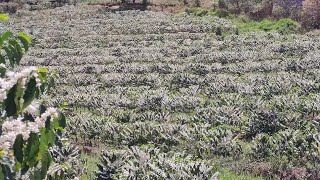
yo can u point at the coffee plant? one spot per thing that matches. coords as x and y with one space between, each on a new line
66 163
27 128
150 163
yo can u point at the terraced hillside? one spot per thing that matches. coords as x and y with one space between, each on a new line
137 81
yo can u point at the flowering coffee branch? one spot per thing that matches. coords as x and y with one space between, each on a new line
27 128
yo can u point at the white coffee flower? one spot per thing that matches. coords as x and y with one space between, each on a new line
3 95
33 108
5 146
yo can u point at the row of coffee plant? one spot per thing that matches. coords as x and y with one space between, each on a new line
134 79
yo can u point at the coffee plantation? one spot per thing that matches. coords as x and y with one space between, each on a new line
163 96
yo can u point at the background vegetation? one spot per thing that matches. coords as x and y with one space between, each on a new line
225 89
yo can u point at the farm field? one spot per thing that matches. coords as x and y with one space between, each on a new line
179 96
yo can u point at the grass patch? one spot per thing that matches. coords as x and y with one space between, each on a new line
285 26
197 11
226 174
244 24
91 162
207 12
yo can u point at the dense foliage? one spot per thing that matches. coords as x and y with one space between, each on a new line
27 128
150 163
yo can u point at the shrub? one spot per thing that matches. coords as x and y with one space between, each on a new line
9 7
219 31
287 8
222 4
145 2
311 14
255 9
260 10
264 122
234 5
294 145
286 26
221 13
59 3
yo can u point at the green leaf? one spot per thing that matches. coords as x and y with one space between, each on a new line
56 124
18 50
15 55
24 43
2 60
45 163
65 104
17 166
9 56
18 96
62 121
48 124
6 172
9 103
42 109
43 70
18 148
30 92
4 17
43 141
1 173
59 123
51 137
32 150
35 175
6 36
2 71
25 36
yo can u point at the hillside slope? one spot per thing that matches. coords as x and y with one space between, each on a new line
181 84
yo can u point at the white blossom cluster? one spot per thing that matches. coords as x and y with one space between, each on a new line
11 78
13 127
